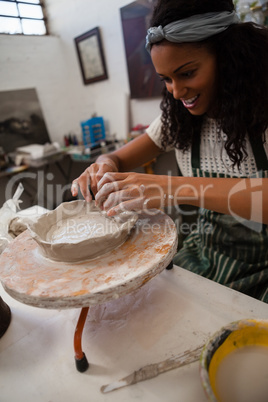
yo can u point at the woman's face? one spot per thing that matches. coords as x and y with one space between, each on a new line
189 73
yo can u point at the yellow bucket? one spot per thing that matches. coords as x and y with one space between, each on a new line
238 337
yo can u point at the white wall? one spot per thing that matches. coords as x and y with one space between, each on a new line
50 65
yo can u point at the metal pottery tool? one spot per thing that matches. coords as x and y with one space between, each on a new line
153 370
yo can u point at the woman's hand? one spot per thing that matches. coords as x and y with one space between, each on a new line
91 176
118 192
133 154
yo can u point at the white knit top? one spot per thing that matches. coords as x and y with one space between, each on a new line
213 156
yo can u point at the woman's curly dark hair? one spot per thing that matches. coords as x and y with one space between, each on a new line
241 107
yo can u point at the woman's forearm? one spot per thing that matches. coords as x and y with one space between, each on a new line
245 198
241 198
133 154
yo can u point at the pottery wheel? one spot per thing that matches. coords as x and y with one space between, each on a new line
35 280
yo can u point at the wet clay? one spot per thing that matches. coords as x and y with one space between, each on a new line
78 231
243 375
81 228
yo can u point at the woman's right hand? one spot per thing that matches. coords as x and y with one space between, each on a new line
91 176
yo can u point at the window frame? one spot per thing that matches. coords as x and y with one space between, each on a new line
41 4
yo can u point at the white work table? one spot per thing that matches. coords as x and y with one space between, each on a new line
173 312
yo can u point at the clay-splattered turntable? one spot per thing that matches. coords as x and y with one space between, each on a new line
35 280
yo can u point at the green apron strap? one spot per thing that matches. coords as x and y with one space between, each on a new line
259 153
196 151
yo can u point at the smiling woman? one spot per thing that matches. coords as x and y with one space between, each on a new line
214 114
22 17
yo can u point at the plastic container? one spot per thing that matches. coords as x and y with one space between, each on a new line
241 378
93 131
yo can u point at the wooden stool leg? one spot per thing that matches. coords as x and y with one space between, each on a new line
80 357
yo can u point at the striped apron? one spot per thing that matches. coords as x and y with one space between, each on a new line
223 249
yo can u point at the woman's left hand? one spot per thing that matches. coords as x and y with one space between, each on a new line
118 192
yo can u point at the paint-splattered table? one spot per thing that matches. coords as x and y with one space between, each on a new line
35 280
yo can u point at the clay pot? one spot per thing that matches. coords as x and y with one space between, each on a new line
5 317
110 233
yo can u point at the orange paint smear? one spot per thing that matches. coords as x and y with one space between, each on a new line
163 249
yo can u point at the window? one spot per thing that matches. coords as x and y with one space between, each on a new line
24 17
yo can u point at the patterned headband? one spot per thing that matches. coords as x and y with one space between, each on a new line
192 29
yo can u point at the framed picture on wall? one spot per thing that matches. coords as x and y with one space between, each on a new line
91 57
